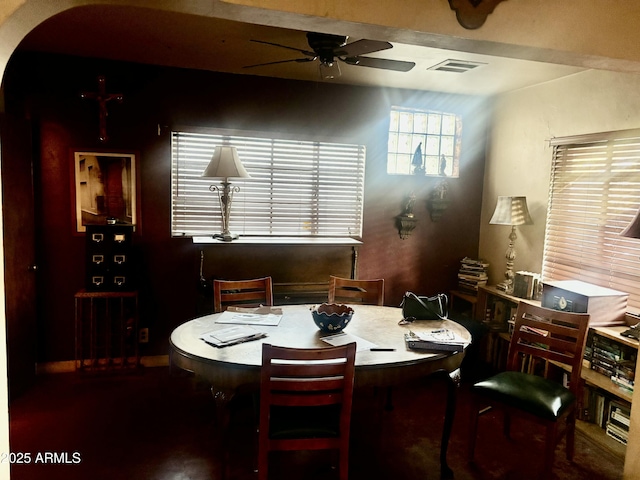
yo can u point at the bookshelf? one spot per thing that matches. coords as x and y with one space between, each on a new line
605 386
497 345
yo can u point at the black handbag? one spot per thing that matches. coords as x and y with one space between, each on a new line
425 308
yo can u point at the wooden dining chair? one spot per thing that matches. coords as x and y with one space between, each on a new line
346 290
242 293
541 338
305 402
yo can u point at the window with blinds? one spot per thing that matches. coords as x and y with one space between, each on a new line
297 187
594 195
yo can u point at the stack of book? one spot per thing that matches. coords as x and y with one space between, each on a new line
472 274
619 421
614 360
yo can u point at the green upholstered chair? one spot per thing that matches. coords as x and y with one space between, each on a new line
305 402
540 336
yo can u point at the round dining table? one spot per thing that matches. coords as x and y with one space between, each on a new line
383 358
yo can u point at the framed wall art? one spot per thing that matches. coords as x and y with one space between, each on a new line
105 188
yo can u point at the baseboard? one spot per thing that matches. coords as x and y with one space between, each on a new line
70 365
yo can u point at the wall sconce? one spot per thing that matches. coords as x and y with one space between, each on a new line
510 211
225 164
406 222
438 200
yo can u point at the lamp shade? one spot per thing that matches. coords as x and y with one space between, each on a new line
633 229
511 211
225 163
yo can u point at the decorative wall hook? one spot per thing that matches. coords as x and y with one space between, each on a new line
406 222
439 200
472 14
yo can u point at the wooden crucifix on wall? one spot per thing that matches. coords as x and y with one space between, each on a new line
102 97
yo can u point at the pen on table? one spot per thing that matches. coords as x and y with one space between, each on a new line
379 349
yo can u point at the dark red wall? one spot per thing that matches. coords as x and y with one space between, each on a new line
45 90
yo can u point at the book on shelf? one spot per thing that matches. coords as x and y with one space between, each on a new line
612 359
525 284
603 409
617 433
496 316
620 415
618 421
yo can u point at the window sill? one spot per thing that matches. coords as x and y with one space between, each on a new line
278 241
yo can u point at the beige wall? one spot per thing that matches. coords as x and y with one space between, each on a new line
519 163
519 157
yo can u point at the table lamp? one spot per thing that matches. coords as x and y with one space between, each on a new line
633 229
511 211
224 165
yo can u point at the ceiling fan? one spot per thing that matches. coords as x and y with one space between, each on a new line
329 48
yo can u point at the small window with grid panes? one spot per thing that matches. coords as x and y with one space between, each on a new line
424 142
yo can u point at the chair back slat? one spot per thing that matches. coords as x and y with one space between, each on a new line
307 385
321 399
366 292
307 369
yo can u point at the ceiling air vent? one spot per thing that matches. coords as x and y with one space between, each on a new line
456 66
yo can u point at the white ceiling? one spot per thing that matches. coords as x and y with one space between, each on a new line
180 40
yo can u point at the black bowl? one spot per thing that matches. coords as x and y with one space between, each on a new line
331 317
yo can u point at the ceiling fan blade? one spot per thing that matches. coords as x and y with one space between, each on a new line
361 47
397 65
305 52
297 60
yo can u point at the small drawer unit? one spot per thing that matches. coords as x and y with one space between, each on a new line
109 258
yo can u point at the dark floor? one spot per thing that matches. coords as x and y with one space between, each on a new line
153 425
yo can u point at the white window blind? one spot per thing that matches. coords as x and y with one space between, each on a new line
594 195
297 187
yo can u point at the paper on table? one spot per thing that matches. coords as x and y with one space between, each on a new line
436 340
231 336
343 338
249 318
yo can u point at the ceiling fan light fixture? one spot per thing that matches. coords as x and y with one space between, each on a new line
329 71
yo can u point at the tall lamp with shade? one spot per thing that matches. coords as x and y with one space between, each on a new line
225 164
633 229
510 211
